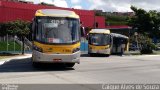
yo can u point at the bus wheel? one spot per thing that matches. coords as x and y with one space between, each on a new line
69 64
91 54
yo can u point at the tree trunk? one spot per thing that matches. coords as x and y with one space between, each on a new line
22 45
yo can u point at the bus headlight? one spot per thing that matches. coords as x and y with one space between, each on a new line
37 48
107 47
75 50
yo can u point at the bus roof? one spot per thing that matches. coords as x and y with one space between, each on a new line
118 35
105 31
56 13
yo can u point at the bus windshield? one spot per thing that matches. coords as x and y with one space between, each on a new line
57 30
99 39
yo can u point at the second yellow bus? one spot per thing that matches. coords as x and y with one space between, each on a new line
99 42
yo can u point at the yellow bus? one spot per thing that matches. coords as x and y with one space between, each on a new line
56 37
99 42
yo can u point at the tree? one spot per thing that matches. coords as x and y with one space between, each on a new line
144 43
19 28
146 23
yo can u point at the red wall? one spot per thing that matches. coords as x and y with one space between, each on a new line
10 14
101 21
0 12
14 10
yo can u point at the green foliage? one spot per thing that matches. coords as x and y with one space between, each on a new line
17 27
116 20
144 42
146 51
145 22
111 22
113 19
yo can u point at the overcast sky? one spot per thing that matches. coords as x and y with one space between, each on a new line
105 5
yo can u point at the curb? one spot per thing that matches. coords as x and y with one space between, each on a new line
2 61
150 55
143 55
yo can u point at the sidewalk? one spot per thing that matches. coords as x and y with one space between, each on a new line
2 61
138 53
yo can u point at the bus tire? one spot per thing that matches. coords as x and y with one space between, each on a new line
69 64
91 54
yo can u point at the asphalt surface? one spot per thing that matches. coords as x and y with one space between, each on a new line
91 70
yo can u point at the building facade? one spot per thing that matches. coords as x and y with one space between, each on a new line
12 10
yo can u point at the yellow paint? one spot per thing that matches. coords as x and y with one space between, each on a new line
73 15
127 46
100 31
39 13
57 49
93 47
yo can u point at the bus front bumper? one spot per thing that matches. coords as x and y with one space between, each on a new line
105 51
56 58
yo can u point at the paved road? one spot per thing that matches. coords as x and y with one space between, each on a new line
91 70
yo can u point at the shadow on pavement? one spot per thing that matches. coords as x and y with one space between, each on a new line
85 55
25 65
94 55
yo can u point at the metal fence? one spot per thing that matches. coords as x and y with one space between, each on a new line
12 44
